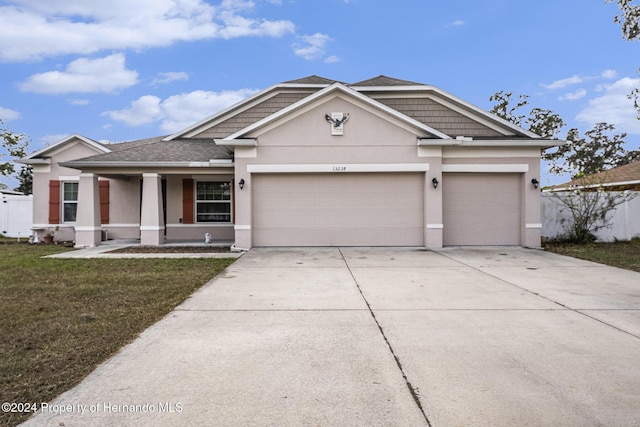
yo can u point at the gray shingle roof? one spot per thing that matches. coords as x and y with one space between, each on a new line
179 150
116 146
382 80
312 80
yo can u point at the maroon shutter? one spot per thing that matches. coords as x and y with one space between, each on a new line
187 201
54 202
104 201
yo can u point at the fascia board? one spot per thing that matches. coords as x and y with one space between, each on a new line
580 187
80 164
65 141
248 142
326 91
542 143
27 161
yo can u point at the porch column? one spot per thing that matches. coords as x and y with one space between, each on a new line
88 229
151 219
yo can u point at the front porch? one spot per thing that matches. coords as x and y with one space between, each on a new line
169 208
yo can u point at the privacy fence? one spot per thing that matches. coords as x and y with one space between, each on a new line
625 219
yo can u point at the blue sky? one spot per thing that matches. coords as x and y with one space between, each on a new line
129 69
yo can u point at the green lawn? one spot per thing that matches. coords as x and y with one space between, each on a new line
60 318
618 254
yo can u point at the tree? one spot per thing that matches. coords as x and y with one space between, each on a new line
13 146
598 152
629 19
589 208
545 123
25 177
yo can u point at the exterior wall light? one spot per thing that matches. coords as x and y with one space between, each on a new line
535 183
241 183
435 182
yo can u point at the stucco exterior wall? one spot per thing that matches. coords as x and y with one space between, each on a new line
371 137
42 174
176 229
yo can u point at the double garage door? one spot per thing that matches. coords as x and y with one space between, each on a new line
338 209
383 209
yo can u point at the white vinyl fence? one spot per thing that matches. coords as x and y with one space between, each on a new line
16 213
625 221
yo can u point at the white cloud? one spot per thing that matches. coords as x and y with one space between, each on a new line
457 23
7 114
144 110
561 84
84 75
573 96
35 29
179 111
312 47
614 107
164 78
609 74
331 59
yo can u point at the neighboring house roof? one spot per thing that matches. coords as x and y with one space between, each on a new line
10 192
622 177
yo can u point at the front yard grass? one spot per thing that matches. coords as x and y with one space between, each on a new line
60 318
623 254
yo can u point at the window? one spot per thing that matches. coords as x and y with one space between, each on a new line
69 201
213 202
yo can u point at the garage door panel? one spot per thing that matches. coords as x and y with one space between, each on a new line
335 236
338 209
481 209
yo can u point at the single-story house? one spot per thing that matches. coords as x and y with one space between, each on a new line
308 162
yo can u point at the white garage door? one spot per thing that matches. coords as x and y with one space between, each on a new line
344 209
481 208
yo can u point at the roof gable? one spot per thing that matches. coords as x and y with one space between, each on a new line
442 113
100 148
338 88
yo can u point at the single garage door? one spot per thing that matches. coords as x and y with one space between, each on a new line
340 209
481 208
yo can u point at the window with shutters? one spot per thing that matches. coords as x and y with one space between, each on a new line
69 201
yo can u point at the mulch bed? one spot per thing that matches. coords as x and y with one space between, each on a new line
171 250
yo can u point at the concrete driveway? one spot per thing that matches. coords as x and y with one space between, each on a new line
394 337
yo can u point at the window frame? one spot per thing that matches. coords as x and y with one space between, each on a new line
64 202
198 202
